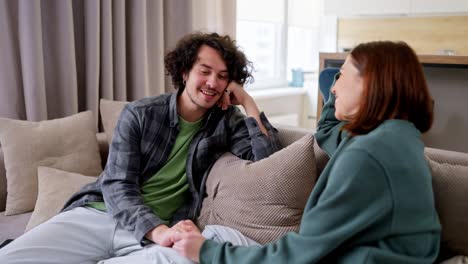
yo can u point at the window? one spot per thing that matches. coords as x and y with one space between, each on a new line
280 37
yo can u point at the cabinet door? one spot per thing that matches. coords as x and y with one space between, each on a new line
438 6
366 7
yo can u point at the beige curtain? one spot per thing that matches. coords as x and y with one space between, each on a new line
214 16
58 57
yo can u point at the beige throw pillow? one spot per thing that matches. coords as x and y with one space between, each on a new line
450 183
55 187
110 113
263 199
68 144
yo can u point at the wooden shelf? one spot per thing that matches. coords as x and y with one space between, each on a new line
427 60
441 60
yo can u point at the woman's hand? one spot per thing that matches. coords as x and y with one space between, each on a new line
189 245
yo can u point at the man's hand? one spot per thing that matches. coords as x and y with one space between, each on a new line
186 226
163 235
189 245
234 94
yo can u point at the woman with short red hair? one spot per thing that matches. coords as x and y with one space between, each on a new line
373 202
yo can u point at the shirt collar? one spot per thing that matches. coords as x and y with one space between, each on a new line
174 116
173 110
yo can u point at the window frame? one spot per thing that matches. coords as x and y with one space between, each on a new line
281 67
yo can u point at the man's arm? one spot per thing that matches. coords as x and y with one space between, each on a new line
252 137
236 95
120 183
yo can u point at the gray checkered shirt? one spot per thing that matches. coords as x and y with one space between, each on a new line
142 141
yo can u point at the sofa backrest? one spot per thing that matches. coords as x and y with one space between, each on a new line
445 156
450 184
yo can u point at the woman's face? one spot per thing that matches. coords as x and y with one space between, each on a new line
348 91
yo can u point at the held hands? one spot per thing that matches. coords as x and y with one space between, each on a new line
188 245
164 236
234 95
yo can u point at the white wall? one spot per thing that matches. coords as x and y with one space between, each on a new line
281 105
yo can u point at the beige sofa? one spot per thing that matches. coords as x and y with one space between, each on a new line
450 185
13 226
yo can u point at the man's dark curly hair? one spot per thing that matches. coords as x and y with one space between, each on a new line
183 57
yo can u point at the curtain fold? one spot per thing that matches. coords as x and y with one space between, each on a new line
214 16
30 31
11 97
59 57
62 56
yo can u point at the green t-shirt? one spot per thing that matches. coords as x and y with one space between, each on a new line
166 191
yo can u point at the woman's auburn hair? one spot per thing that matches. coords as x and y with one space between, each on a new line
394 87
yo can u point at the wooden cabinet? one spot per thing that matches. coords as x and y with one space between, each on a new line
438 6
366 7
447 78
393 8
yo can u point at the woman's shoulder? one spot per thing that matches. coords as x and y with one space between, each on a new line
390 132
393 144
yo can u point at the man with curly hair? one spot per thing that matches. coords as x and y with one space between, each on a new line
159 158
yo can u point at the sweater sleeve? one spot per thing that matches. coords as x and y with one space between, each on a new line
329 133
355 199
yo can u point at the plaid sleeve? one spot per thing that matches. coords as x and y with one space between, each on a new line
120 183
247 140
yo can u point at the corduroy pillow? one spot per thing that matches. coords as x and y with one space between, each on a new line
68 144
55 187
263 199
110 113
450 184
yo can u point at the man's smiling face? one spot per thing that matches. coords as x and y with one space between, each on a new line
207 80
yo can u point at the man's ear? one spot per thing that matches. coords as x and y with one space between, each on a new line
184 76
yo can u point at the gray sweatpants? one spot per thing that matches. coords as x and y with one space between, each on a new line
86 235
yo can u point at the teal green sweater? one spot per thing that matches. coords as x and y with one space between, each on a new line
373 203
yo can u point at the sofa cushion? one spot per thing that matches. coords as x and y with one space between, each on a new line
450 183
289 134
55 187
67 143
263 199
12 226
110 113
